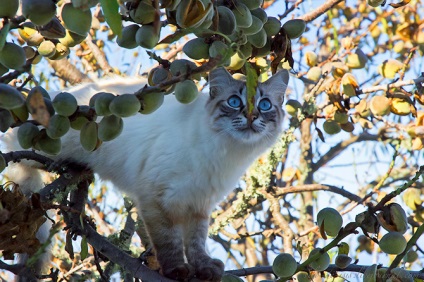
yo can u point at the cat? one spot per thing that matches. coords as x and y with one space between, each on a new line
180 161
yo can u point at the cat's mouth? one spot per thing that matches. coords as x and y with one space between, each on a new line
251 128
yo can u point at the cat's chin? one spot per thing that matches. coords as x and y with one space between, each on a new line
250 137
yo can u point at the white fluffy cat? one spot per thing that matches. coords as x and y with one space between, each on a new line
178 162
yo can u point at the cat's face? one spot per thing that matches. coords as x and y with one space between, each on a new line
228 107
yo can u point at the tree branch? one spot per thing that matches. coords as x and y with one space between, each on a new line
208 66
68 72
317 187
99 55
396 84
331 269
320 10
337 149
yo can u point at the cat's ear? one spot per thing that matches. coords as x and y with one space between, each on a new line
219 80
277 84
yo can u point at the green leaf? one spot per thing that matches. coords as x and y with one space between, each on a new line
251 84
84 248
113 18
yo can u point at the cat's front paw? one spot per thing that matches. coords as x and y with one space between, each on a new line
211 271
180 272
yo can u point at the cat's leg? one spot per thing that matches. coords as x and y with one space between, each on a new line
166 235
195 234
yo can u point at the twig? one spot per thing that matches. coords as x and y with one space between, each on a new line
210 65
320 10
317 187
337 149
291 9
399 190
386 87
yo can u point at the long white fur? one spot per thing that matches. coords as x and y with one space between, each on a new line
174 155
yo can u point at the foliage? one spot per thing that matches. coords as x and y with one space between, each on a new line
356 122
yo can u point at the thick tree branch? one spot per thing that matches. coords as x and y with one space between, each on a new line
68 72
331 269
99 55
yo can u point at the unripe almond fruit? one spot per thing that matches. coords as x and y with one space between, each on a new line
127 39
393 243
292 107
48 145
124 105
389 68
356 60
343 261
322 262
6 120
349 85
314 74
400 106
143 14
151 102
331 127
72 39
242 15
65 104
258 39
186 91
12 56
88 136
76 20
147 37
47 48
284 265
380 105
58 126
294 28
196 49
8 8
311 58
40 12
226 20
260 14
110 127
10 97
375 3
330 221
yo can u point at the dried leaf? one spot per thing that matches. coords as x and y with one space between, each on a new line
400 4
38 108
281 46
19 223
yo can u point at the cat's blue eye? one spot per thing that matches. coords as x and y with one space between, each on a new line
265 105
234 101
